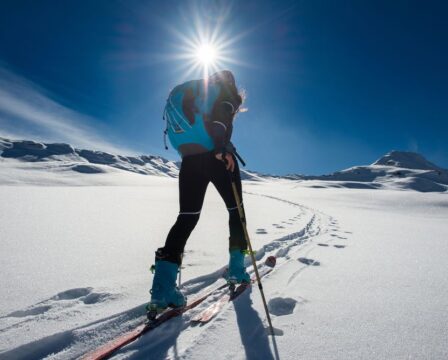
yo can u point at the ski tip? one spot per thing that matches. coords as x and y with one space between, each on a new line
271 261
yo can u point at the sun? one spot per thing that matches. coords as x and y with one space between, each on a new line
203 45
206 54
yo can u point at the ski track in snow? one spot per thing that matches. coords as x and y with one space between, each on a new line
318 226
78 341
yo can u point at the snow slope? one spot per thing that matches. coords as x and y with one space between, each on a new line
361 273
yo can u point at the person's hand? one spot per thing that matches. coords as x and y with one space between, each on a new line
228 160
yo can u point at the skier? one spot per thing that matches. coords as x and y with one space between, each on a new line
199 116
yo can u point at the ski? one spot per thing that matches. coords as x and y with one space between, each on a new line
210 312
116 344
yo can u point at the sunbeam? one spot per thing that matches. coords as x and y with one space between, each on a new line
205 48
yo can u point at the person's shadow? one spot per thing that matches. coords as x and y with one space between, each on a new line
254 335
157 343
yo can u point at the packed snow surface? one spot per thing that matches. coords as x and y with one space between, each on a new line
360 274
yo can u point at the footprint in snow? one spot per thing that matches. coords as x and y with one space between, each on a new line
64 299
320 244
310 262
86 295
261 231
339 246
38 310
281 306
338 236
282 252
277 332
95 298
72 294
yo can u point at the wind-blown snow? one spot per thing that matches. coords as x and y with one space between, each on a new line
361 273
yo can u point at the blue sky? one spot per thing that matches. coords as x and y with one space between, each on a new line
329 84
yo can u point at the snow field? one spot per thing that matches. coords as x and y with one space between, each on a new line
381 296
371 284
81 254
360 273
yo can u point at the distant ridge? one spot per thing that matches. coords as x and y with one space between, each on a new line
93 162
85 161
395 170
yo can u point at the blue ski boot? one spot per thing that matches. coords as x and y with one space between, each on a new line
164 292
237 272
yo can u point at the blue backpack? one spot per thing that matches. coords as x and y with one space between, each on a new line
188 127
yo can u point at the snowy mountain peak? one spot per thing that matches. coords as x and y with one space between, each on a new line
406 160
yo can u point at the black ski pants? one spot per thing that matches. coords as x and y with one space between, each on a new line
196 172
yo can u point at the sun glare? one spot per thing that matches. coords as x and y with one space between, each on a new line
205 47
206 54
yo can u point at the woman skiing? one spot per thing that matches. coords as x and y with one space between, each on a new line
199 117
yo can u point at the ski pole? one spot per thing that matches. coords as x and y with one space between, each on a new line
239 158
254 263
